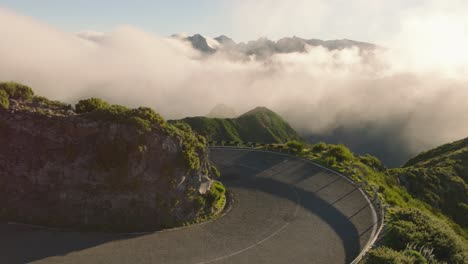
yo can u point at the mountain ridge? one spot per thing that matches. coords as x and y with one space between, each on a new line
257 125
264 47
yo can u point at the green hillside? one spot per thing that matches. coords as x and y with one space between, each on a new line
439 177
258 125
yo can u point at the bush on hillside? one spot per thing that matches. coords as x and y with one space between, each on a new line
372 162
90 105
319 147
299 146
17 91
4 102
341 153
385 255
147 114
215 194
412 226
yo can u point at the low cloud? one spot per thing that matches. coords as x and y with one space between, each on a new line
421 102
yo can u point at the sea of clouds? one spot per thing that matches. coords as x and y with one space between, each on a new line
416 86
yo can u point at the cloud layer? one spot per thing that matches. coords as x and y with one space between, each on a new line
417 88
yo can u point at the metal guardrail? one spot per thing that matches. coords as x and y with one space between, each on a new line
374 202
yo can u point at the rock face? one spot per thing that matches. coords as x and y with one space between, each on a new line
59 168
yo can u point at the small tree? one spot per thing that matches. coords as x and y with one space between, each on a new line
89 105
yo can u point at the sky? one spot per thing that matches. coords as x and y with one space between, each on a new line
162 17
242 20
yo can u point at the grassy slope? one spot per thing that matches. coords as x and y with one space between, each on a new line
257 125
439 177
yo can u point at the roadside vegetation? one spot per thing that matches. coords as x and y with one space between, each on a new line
417 231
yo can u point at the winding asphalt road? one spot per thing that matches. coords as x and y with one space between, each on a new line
286 211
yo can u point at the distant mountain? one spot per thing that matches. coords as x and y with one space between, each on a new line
264 47
222 111
258 125
225 41
200 43
439 177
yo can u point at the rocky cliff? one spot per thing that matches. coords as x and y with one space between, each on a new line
106 168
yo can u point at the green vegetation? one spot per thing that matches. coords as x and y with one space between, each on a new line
257 125
17 91
193 146
385 255
439 177
412 226
411 220
90 105
4 101
146 120
298 146
143 118
216 196
46 103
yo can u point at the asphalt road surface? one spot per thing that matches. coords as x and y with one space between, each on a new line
285 211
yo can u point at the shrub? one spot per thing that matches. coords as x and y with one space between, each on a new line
416 256
296 145
147 114
330 161
384 255
319 147
90 105
4 102
412 226
113 113
215 194
372 162
17 91
341 153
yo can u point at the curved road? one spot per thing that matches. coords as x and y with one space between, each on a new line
285 211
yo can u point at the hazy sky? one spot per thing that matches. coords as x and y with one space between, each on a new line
366 20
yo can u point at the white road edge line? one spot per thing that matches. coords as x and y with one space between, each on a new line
375 231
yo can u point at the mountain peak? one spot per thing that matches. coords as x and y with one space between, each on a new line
259 110
200 43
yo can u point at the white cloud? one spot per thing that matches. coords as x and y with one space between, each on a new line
317 91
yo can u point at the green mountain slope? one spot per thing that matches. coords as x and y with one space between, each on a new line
258 125
439 177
